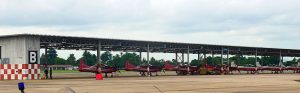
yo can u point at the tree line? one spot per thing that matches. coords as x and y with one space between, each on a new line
119 60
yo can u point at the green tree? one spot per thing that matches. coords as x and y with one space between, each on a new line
43 59
155 62
214 60
60 61
196 62
235 59
52 54
115 62
291 63
106 56
119 61
270 60
132 57
174 62
249 61
90 59
71 60
144 62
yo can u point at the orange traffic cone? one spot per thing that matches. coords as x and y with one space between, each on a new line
99 76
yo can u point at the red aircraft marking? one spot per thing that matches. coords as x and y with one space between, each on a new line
97 68
180 69
295 69
142 69
258 68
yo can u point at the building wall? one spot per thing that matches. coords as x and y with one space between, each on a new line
32 44
16 49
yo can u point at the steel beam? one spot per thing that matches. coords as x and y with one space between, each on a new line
65 42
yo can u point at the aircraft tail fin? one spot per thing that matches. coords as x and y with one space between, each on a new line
129 66
207 66
82 65
168 66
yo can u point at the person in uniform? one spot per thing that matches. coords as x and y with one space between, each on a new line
46 72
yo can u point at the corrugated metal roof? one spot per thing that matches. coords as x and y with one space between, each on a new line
73 42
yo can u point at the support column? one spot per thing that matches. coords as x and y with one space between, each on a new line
98 52
182 58
99 55
212 56
199 61
298 63
222 67
148 61
256 57
198 56
204 55
239 57
280 56
188 55
141 57
228 63
262 60
280 59
46 55
222 56
176 58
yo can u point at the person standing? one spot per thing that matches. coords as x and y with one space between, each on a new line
46 72
50 73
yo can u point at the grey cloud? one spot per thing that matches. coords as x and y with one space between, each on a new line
274 21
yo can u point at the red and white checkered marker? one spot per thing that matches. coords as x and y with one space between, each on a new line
19 71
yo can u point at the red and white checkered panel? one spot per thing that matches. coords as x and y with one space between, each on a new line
19 71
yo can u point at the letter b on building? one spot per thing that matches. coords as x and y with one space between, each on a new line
33 57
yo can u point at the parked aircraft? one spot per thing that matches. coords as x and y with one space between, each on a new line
97 68
143 69
181 69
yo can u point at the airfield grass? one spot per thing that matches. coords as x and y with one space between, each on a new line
65 71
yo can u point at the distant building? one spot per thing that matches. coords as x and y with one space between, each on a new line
60 67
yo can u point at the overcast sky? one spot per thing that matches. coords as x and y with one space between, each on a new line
258 23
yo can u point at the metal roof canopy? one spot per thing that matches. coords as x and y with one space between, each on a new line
85 43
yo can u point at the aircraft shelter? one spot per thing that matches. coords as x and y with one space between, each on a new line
20 53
